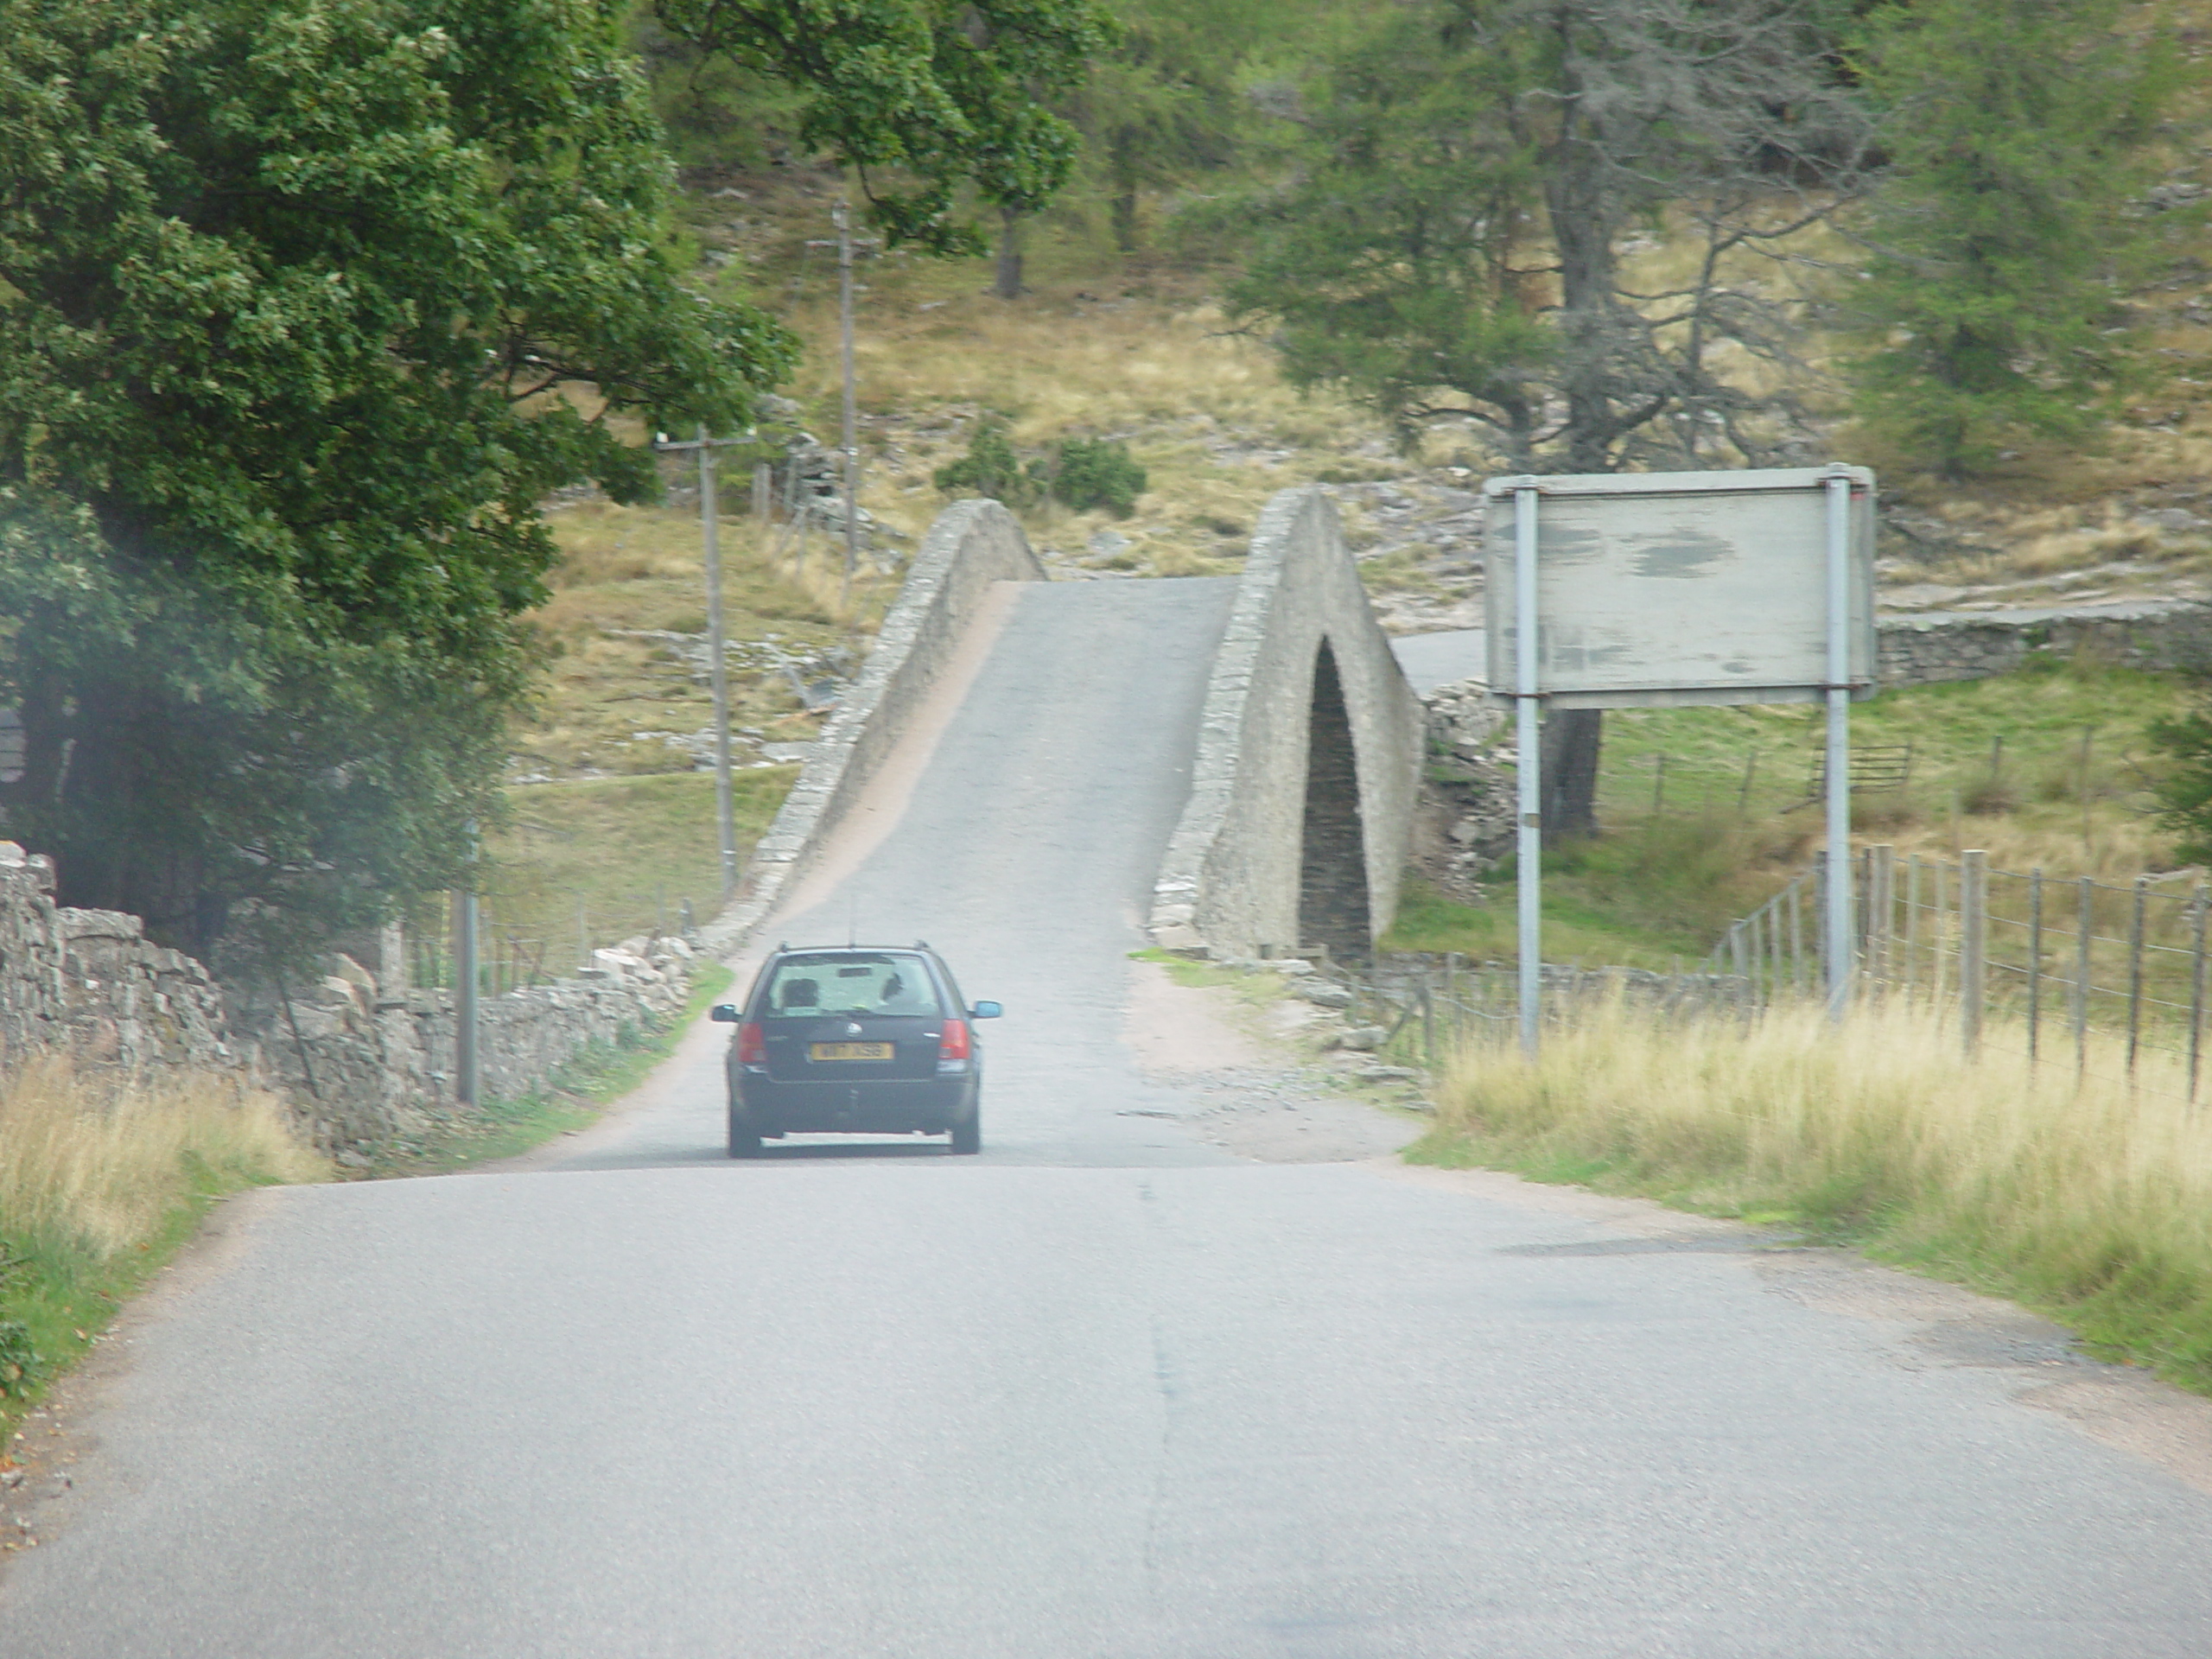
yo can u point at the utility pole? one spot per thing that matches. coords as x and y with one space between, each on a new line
852 440
842 217
717 670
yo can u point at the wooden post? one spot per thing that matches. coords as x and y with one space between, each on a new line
1744 795
2135 969
1659 786
1881 885
2082 977
1935 975
1973 944
1798 935
2035 960
2196 985
1911 921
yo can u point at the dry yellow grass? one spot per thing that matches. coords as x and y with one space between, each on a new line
2091 1196
100 1166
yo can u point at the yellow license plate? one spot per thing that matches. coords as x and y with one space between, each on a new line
851 1051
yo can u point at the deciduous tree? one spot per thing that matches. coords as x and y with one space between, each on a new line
936 105
305 305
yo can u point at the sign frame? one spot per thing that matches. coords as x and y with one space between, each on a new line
1819 582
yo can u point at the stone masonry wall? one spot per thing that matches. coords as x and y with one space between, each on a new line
1969 645
359 1062
1230 879
88 982
973 545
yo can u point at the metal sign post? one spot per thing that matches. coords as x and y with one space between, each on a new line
1528 766
1664 590
1841 936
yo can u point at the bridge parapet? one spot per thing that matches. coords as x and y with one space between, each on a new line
1308 763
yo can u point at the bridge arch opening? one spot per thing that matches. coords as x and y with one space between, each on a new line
1332 898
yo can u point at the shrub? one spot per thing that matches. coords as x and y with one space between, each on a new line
1094 473
990 467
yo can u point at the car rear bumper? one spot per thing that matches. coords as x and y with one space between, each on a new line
879 1106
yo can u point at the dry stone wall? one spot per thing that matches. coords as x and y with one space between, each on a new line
973 545
1237 868
1943 645
361 1062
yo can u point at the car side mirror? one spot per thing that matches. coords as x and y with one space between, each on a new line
724 1014
985 1011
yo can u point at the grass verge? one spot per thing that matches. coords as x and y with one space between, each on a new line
569 1100
101 1182
2089 1200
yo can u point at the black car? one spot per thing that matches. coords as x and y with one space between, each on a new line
861 1039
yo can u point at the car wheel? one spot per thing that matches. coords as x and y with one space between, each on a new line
969 1136
744 1139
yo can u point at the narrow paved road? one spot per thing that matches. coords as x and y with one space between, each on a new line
1103 1391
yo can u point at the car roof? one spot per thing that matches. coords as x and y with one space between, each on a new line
917 949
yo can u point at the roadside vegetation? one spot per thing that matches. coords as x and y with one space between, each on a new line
102 1179
2088 1198
569 1100
2051 766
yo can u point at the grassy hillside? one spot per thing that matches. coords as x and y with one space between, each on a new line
613 817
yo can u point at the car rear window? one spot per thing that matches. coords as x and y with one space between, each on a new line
862 982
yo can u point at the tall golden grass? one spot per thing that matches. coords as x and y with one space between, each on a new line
2090 1196
99 1167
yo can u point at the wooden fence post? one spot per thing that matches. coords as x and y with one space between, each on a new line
2135 970
1974 944
2082 940
2035 960
1911 923
2196 985
1881 893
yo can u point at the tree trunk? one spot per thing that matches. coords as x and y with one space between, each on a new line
1008 285
1572 740
1125 219
1580 209
1124 202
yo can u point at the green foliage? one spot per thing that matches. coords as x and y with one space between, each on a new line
1165 104
2183 790
990 467
1094 473
19 1358
289 296
1085 473
1463 176
928 99
2004 237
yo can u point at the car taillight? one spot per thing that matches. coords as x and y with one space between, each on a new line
751 1050
954 1045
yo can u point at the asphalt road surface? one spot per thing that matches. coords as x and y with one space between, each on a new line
1104 1390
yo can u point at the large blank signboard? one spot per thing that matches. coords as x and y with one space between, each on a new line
1665 589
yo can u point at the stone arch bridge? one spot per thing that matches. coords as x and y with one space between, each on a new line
1264 747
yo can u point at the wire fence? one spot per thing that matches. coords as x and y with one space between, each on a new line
1421 1009
515 949
2056 957
2045 968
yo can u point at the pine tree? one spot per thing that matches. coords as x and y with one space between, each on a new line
2004 236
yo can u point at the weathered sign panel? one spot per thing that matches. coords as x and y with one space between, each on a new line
1666 588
